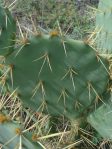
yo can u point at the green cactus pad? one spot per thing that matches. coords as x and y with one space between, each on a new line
57 76
101 120
11 139
104 26
7 31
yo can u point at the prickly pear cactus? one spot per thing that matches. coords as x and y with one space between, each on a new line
11 136
7 31
57 75
101 119
104 27
50 74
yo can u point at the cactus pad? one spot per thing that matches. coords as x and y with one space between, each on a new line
7 31
104 26
11 137
101 120
57 75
